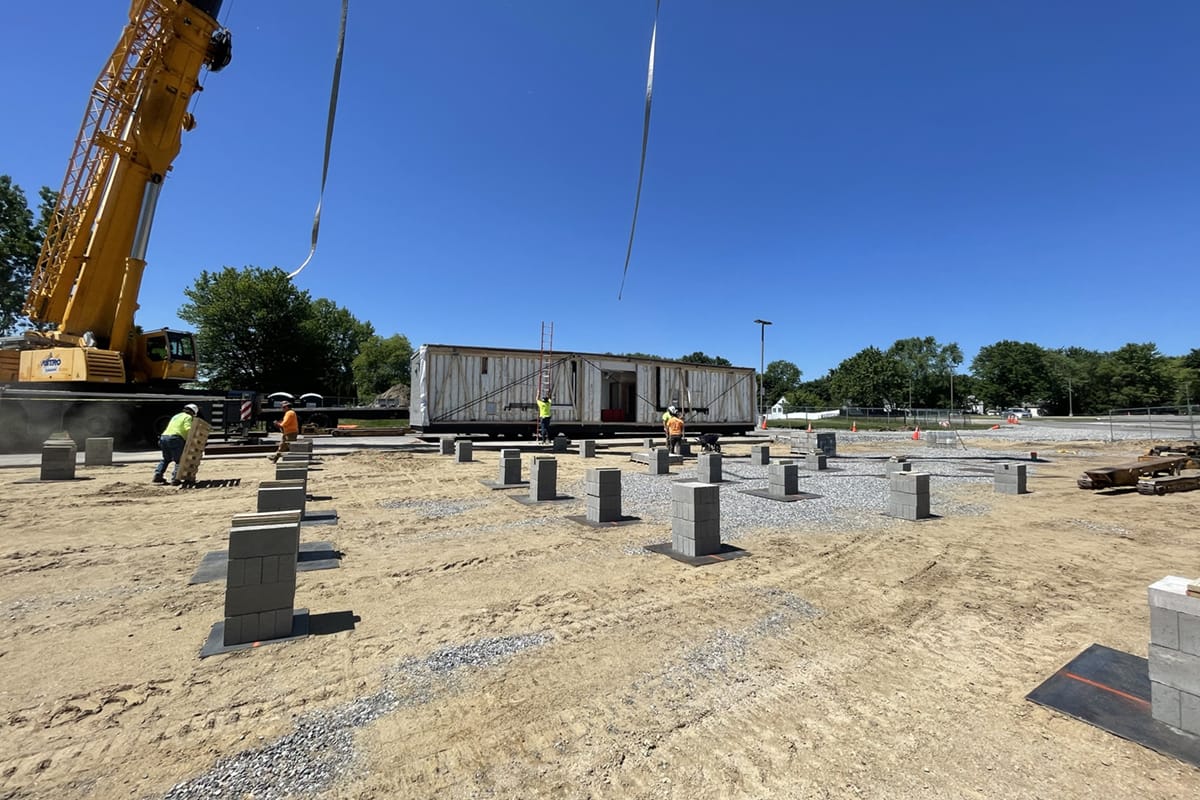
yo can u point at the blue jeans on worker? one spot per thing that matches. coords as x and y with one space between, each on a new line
172 450
545 428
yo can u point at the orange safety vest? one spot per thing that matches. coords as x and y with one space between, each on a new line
289 423
675 426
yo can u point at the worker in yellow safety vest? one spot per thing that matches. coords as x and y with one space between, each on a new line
544 419
172 441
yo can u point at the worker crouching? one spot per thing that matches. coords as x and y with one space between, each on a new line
172 442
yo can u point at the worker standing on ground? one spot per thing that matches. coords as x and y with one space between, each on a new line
544 419
290 427
675 432
666 418
172 440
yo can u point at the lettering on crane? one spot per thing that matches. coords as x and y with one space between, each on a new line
50 365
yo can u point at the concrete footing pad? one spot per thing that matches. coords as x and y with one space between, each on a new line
325 517
782 498
525 500
215 644
727 552
498 485
313 556
616 523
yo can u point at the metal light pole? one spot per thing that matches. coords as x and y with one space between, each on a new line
762 351
1070 400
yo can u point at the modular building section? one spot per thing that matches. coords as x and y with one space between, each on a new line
494 391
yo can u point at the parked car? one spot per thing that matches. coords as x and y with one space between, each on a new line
1015 412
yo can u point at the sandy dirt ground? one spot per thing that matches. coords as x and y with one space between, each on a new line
885 661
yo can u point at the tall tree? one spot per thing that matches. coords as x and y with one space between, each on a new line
20 242
336 337
781 379
252 330
869 378
925 367
381 364
1137 375
1011 373
699 357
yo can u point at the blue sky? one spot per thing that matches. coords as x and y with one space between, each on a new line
854 172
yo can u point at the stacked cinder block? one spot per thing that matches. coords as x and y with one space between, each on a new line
1175 654
253 519
58 460
559 444
827 444
708 468
783 480
760 454
97 451
260 591
587 448
660 458
543 478
814 460
897 464
281 496
301 446
446 445
941 438
908 496
462 451
291 471
1010 479
695 518
510 466
602 491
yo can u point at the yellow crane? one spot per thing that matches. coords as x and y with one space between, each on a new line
85 287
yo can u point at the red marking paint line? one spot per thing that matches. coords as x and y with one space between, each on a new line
1117 692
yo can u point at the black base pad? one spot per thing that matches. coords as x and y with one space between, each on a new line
524 499
497 485
791 498
1111 690
324 517
616 523
726 553
215 644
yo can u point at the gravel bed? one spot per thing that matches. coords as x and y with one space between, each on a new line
321 748
435 509
853 492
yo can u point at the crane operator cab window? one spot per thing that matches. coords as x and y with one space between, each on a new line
156 348
183 346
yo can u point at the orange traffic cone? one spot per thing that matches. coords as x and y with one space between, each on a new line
810 426
764 422
917 433
994 428
853 427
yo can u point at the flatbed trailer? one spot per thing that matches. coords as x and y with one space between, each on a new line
1129 474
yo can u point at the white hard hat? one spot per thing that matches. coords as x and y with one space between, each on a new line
672 409
192 407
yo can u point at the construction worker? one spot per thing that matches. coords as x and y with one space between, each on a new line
544 419
671 411
289 426
674 432
172 440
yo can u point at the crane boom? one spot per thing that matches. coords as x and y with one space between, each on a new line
90 268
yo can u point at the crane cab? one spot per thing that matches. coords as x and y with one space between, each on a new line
164 355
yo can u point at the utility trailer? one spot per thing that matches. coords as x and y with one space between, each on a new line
493 391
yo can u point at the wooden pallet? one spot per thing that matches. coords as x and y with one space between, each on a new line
193 451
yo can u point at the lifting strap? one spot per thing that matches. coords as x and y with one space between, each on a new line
637 199
333 97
